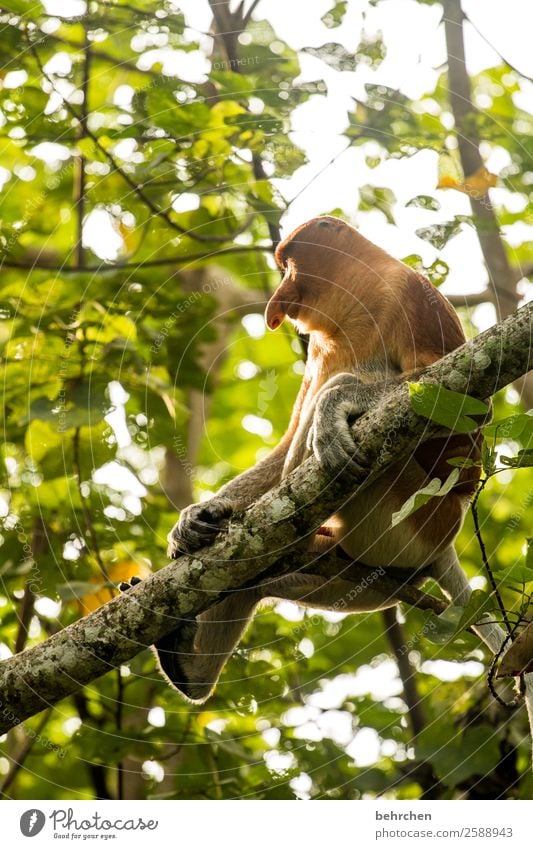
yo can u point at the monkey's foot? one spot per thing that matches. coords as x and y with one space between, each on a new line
179 662
198 525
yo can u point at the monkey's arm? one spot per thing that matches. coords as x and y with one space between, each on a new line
199 524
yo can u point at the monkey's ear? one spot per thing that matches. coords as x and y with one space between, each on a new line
279 304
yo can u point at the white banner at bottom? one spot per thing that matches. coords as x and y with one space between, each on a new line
262 825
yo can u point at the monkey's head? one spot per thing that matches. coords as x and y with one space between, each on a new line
330 273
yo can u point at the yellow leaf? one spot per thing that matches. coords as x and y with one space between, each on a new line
478 184
128 235
451 177
450 171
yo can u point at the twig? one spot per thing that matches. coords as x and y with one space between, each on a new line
484 557
38 544
119 705
500 54
88 521
79 183
248 15
142 263
19 758
501 275
471 299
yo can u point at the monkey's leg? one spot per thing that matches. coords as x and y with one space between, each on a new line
193 656
448 573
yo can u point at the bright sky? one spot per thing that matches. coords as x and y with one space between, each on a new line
415 54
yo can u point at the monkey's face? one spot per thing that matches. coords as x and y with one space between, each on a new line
317 261
332 277
305 300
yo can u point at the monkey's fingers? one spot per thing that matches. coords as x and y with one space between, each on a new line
341 458
340 455
198 526
124 586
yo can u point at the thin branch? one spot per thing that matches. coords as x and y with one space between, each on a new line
498 52
142 263
465 115
79 177
269 532
502 278
398 642
226 24
87 517
484 557
18 759
97 772
471 299
38 546
247 16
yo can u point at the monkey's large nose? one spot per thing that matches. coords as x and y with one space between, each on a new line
276 310
275 313
274 319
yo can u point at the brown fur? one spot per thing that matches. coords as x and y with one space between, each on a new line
370 316
367 312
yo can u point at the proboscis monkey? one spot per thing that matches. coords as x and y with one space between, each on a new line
372 321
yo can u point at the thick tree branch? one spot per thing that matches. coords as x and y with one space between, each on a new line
397 640
271 529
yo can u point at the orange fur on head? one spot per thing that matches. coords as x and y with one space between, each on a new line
341 286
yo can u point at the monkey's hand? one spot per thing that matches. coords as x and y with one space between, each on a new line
330 435
198 525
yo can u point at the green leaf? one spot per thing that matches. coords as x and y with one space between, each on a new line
334 17
335 55
437 272
519 426
475 752
529 553
442 628
377 197
479 603
447 408
424 202
523 460
434 489
439 235
517 573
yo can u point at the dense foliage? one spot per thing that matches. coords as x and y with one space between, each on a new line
115 348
